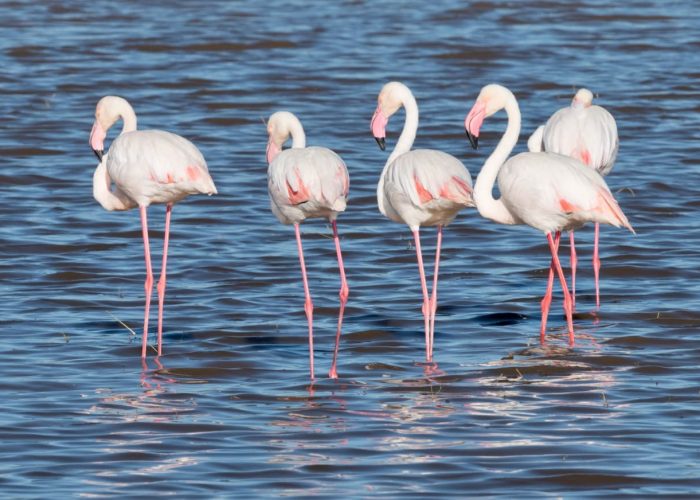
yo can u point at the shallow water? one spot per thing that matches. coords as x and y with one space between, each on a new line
228 409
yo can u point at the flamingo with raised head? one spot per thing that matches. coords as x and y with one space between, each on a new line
423 187
588 133
305 183
146 166
546 191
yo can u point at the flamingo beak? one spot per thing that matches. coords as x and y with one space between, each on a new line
473 140
473 121
99 153
378 127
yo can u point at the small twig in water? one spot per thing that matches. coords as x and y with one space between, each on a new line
122 323
628 189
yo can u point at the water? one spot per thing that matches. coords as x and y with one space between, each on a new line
228 410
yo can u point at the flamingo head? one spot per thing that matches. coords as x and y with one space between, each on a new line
108 110
280 126
582 99
492 99
389 101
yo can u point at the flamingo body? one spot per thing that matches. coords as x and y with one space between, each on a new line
421 187
588 133
425 187
552 192
144 167
548 191
583 131
304 183
155 166
307 183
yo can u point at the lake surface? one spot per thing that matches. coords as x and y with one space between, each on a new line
228 410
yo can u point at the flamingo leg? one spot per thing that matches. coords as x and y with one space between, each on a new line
148 285
344 292
596 265
162 279
433 298
426 299
574 262
308 305
547 299
567 298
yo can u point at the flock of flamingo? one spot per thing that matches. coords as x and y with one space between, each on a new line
557 186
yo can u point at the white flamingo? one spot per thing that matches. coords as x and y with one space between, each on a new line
546 191
304 183
588 133
146 166
423 187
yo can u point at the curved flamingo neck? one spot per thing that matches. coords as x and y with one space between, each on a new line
297 133
127 114
129 120
488 206
410 127
403 145
101 190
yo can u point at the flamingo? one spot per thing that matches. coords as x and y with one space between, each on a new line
588 133
146 166
423 187
546 191
305 183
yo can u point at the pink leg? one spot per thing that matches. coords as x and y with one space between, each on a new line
162 279
574 262
433 298
565 289
149 279
426 300
547 299
344 292
308 305
596 265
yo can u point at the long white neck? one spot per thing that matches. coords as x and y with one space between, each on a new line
487 205
129 122
101 190
126 112
410 127
403 145
297 133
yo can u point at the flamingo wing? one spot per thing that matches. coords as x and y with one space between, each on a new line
425 175
307 182
599 136
587 134
144 162
554 192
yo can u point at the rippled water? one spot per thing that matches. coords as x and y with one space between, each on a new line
228 409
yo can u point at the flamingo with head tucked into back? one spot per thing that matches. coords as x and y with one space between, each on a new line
145 166
423 187
304 183
546 191
588 133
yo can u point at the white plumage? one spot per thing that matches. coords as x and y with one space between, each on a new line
144 167
583 131
155 166
551 192
548 191
588 133
423 187
307 182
